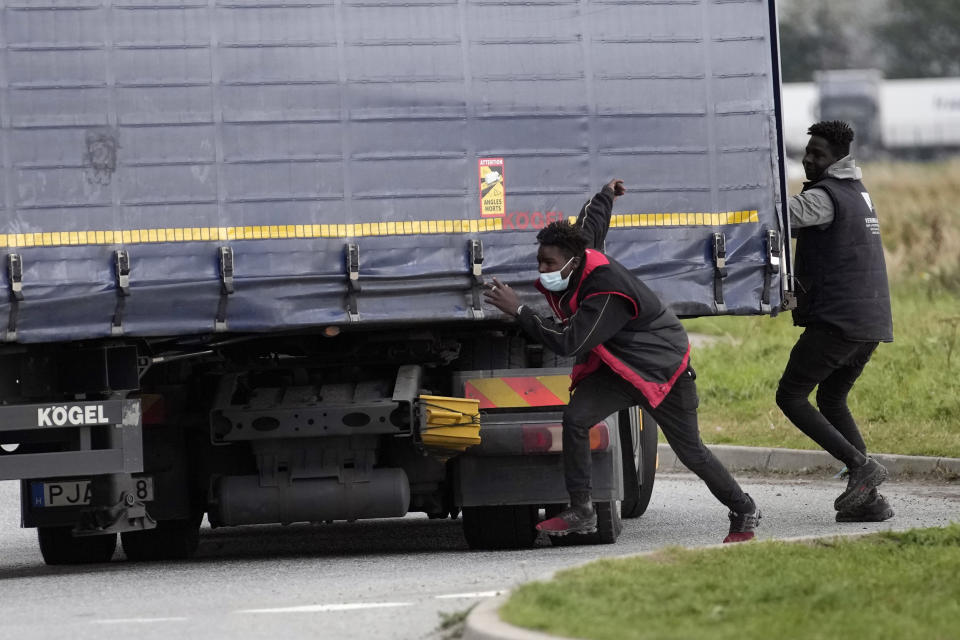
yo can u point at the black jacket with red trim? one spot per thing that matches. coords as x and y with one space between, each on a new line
608 317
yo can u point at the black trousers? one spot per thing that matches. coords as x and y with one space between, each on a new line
604 392
826 360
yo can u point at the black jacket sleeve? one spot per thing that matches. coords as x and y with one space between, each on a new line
597 320
594 218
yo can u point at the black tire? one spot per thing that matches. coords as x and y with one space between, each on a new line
170 540
609 526
59 546
500 527
638 448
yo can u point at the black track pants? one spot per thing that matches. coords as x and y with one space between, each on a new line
831 363
604 392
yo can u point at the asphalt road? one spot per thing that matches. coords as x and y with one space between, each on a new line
373 579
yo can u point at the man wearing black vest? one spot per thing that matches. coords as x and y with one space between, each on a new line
630 350
843 303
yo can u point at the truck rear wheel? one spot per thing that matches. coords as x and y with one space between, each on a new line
500 527
609 526
170 540
638 446
59 546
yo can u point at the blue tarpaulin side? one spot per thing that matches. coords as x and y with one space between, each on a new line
289 130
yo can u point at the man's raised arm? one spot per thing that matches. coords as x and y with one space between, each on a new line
594 218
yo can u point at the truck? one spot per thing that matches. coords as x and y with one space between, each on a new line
853 95
246 240
915 118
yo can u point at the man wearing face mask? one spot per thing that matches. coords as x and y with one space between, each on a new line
630 350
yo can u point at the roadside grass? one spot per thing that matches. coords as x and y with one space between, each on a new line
887 585
908 398
907 401
917 204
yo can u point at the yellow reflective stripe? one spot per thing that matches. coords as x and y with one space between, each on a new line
407 227
689 219
557 385
499 392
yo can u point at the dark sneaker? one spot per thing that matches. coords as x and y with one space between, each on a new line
573 520
876 509
860 484
743 526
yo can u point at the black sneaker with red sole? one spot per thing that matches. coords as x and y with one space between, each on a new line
572 520
743 526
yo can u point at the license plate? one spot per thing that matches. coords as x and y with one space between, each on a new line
73 493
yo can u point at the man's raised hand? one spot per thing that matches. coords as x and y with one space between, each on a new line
616 185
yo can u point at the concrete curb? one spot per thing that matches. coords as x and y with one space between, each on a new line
484 621
770 460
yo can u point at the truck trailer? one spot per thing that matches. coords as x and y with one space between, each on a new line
245 244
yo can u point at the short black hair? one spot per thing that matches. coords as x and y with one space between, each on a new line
837 133
564 236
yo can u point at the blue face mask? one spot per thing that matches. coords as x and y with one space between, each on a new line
553 281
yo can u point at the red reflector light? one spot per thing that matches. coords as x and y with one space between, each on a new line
599 437
537 439
548 438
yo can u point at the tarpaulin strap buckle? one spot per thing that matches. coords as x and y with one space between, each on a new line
352 256
476 276
121 263
719 270
773 267
226 288
15 276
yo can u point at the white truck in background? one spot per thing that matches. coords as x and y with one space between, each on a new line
913 118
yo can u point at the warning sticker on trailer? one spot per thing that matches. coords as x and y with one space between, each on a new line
492 190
